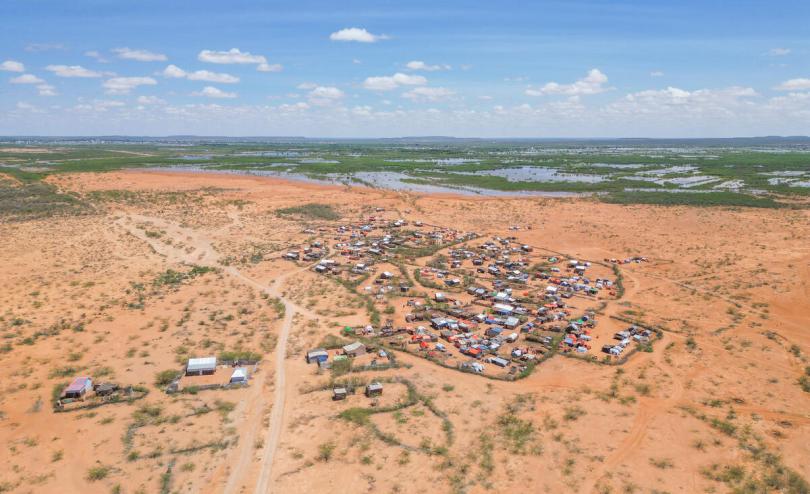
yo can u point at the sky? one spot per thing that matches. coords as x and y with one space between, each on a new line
566 68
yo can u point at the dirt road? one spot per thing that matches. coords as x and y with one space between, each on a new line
188 246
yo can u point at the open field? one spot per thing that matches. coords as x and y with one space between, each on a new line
123 276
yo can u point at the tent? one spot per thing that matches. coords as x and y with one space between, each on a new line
200 366
239 376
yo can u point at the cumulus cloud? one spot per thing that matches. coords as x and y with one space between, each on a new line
656 73
232 56
307 85
800 84
420 65
12 66
150 100
357 34
295 107
212 92
779 52
269 67
72 71
139 55
325 95
46 90
674 102
387 83
428 94
593 83
123 85
26 79
175 72
98 57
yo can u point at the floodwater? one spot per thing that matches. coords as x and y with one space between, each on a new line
383 180
538 174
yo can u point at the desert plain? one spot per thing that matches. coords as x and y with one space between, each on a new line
160 267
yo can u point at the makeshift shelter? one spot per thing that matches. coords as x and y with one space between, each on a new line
354 349
339 393
374 389
78 388
201 366
239 376
317 355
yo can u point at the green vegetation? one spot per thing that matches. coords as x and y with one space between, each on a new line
29 201
163 378
244 355
98 473
733 173
311 211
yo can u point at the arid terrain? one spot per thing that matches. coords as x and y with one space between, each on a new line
160 267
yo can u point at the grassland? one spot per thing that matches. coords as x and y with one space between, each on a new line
702 173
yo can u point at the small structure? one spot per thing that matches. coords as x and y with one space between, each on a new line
339 393
374 389
78 388
105 389
317 355
201 366
354 349
239 376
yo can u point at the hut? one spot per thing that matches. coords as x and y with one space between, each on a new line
78 388
317 355
354 349
374 389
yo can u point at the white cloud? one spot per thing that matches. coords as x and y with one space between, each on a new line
72 71
98 57
175 72
27 79
46 90
800 84
212 92
357 34
325 95
485 97
123 85
12 66
428 94
656 73
150 100
295 107
420 65
139 55
98 106
779 52
270 67
356 61
387 83
593 83
205 75
307 85
234 55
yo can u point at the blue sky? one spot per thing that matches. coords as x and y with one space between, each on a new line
352 68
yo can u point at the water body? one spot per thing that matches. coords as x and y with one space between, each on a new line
383 180
538 174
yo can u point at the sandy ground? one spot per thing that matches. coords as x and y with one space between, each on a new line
81 297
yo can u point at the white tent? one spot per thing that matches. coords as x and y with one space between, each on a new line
204 365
